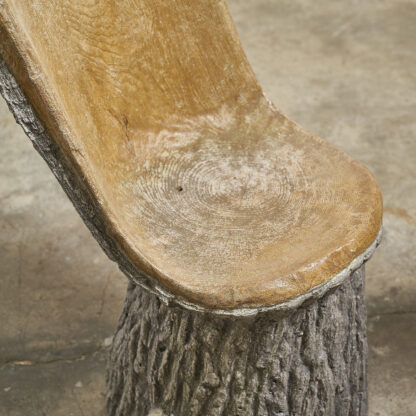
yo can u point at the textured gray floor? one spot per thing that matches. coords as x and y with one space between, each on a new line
344 70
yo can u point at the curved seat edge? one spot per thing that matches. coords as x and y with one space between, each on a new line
88 208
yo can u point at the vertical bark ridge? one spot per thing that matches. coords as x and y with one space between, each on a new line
311 361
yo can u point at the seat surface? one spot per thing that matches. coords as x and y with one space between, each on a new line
205 186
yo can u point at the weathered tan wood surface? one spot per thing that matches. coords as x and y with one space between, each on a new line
194 183
303 358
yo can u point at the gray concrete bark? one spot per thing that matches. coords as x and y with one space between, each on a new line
176 362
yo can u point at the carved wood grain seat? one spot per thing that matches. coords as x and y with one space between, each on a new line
204 186
151 118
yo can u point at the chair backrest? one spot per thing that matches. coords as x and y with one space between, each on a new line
101 74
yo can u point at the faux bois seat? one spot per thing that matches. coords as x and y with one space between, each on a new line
203 189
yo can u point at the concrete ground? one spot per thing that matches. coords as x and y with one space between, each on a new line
345 70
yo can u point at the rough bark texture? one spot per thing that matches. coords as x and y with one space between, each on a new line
174 362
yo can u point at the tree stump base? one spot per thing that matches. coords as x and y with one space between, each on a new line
170 361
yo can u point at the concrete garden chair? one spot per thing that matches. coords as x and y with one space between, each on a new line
243 235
